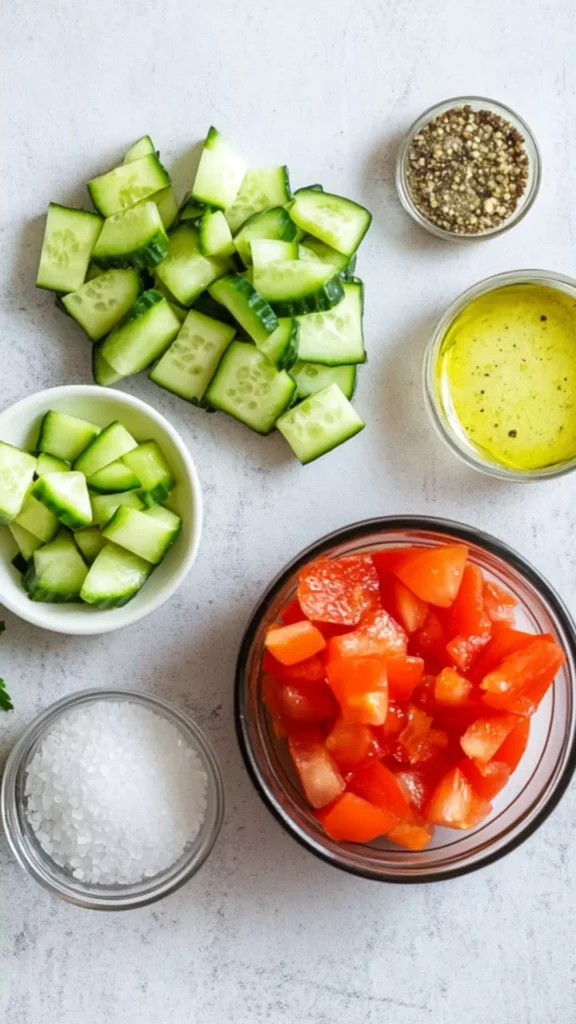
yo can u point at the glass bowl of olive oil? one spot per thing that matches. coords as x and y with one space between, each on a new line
500 375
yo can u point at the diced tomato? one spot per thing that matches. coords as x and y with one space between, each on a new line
404 673
454 803
271 698
484 737
290 644
310 670
430 640
415 785
361 688
355 820
352 745
434 574
503 642
387 559
410 610
515 744
379 786
538 662
468 616
306 702
488 782
523 702
499 603
395 721
292 612
415 732
339 590
412 835
317 770
451 688
464 649
377 634
330 629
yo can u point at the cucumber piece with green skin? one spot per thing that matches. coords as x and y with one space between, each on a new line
190 210
105 505
270 250
114 577
281 347
185 271
134 238
220 173
111 444
16 474
165 200
127 184
143 336
339 222
146 536
102 372
313 377
248 308
274 224
165 516
57 571
26 541
143 147
99 304
113 478
335 338
65 436
319 423
314 248
149 465
89 542
214 235
187 367
69 238
38 520
66 496
261 190
247 387
298 287
50 464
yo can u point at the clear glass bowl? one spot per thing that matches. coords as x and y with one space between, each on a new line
534 789
60 881
444 420
477 103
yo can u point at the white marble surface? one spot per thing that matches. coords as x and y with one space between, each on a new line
266 933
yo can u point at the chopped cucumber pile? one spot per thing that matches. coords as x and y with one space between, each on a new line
241 299
85 510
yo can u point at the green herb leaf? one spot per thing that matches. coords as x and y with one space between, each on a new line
5 702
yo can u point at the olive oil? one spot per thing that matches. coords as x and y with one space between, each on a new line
506 373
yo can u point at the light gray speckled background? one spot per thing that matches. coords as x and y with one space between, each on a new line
266 933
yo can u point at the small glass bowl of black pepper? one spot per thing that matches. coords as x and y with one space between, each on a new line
468 168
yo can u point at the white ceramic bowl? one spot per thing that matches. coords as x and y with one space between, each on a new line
19 426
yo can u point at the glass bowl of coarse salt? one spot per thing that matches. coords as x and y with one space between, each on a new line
112 799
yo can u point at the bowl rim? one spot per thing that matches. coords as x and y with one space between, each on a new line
96 625
38 727
355 531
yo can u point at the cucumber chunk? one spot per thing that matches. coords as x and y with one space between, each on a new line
149 465
57 571
274 224
281 347
188 366
190 210
26 541
93 272
214 235
65 436
105 505
146 536
313 248
38 520
66 496
69 238
269 250
319 423
334 338
339 222
185 271
220 173
133 238
313 377
165 516
128 184
297 287
114 577
248 308
16 475
143 147
261 190
50 464
90 542
99 304
102 372
111 444
113 478
165 200
143 336
247 387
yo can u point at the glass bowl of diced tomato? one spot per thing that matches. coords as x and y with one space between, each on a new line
405 699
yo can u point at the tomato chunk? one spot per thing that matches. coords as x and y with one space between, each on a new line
395 721
430 640
488 782
514 745
464 649
410 609
503 642
454 804
499 603
434 574
377 784
404 673
415 732
290 644
451 688
339 590
412 835
538 662
377 634
306 702
292 612
484 737
311 669
352 745
468 617
355 820
317 770
361 688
